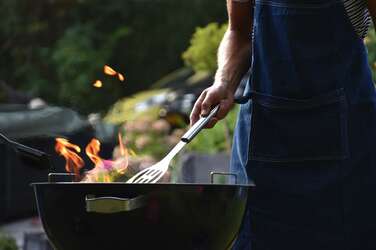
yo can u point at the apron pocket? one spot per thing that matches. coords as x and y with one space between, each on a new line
285 130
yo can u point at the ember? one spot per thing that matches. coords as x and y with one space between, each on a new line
121 77
98 84
111 72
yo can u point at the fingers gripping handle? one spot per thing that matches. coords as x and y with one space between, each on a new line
199 125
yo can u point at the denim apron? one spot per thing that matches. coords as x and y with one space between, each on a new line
307 135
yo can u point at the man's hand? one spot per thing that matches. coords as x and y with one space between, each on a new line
210 97
233 62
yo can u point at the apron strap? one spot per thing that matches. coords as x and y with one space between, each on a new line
243 99
247 94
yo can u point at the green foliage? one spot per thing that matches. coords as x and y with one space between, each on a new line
370 41
79 61
7 243
125 109
201 55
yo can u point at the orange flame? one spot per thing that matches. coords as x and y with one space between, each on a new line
69 151
123 150
106 178
104 170
92 150
124 153
98 84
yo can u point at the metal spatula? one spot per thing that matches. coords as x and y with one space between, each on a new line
154 173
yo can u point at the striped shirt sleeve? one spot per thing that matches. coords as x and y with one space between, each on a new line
359 16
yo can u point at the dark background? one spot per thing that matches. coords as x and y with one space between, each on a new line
55 49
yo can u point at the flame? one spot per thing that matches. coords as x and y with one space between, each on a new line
92 150
69 151
98 84
109 71
125 155
104 170
123 150
106 178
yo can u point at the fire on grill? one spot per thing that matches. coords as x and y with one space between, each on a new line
100 211
117 215
103 171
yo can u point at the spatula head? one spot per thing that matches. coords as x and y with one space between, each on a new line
149 175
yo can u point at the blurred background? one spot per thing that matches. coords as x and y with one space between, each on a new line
52 54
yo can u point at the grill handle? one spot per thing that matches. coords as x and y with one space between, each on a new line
199 125
112 205
213 174
30 156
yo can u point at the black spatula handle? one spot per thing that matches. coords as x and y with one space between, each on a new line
199 125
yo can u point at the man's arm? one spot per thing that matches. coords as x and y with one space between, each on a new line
372 10
234 51
233 62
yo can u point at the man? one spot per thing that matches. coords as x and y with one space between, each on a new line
307 135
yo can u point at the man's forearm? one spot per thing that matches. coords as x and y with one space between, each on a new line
233 59
235 50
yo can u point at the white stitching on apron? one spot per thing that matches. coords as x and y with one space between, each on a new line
320 5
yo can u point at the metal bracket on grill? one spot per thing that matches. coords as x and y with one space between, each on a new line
213 174
59 177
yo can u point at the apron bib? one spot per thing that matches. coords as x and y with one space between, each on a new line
306 136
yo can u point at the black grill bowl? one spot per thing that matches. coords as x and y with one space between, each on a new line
116 216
